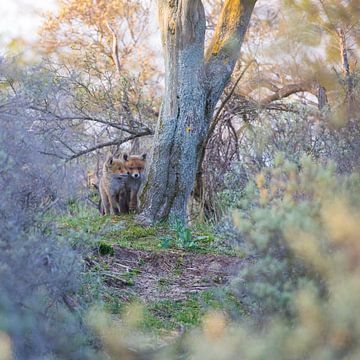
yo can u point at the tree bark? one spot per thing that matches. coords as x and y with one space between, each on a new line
322 97
193 85
346 68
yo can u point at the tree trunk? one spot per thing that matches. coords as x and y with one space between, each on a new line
322 97
346 68
193 86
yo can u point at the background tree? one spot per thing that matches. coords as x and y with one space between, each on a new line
294 81
312 47
97 85
115 32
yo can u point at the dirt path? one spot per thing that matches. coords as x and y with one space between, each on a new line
158 275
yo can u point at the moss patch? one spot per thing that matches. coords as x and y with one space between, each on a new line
178 314
124 231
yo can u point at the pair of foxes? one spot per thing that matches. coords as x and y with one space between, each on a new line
120 183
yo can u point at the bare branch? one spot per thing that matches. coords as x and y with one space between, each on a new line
115 48
129 130
118 141
216 117
256 83
288 90
124 97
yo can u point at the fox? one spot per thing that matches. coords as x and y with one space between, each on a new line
112 184
135 166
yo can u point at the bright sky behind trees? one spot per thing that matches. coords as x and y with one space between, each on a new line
21 18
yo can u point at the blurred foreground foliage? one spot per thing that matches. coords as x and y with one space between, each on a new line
43 290
301 222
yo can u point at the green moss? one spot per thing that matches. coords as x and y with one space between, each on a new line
146 188
159 316
85 220
135 236
105 249
114 305
131 274
179 266
136 232
124 231
173 314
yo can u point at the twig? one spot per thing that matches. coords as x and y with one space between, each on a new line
216 117
115 48
109 143
115 277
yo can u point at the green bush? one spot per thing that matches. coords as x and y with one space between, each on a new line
303 217
279 203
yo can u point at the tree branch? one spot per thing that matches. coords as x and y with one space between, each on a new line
216 117
224 48
115 48
124 96
87 118
288 90
108 143
256 83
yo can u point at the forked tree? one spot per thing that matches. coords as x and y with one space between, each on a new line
194 81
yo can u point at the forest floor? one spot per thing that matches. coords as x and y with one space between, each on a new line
167 274
177 274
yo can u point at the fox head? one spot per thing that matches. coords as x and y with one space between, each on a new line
135 165
114 166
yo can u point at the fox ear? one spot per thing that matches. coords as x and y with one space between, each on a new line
109 160
143 156
125 157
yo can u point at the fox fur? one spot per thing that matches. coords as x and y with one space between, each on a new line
135 166
112 185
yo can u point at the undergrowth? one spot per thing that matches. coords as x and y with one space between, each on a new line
84 227
124 231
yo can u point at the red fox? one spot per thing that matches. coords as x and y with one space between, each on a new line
135 165
112 184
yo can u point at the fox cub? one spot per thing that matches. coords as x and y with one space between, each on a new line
112 186
135 165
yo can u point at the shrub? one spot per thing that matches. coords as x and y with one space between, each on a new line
320 229
231 160
279 203
40 274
